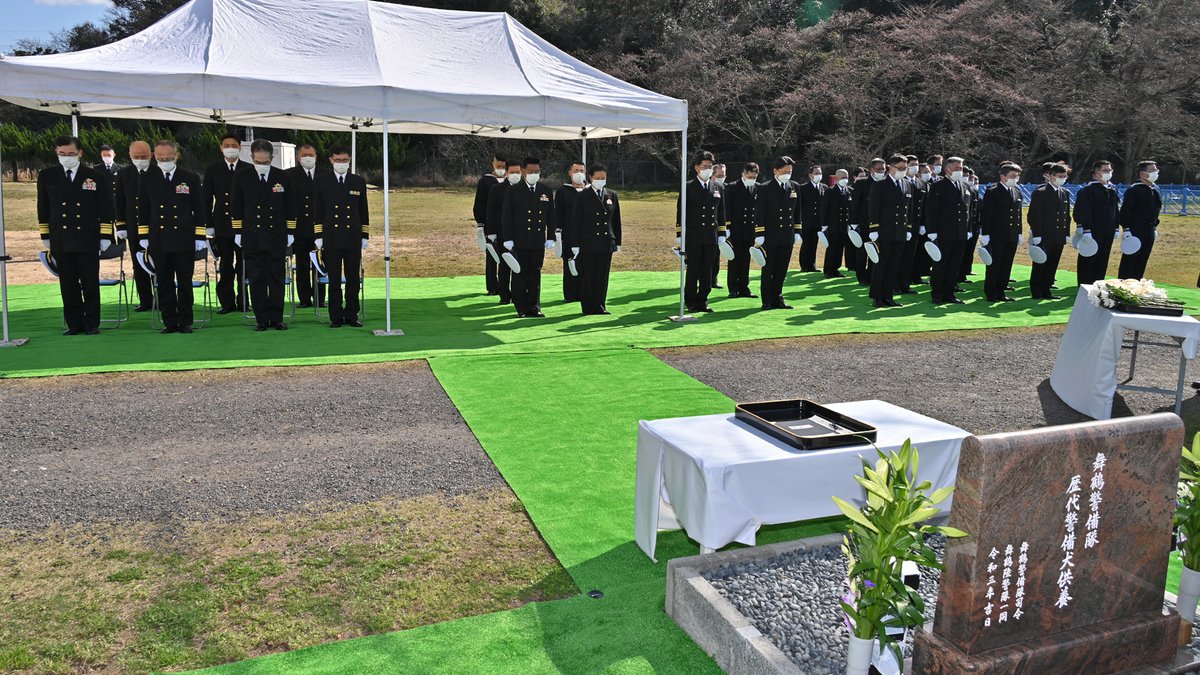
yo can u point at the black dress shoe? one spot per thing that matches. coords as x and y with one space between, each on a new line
185 329
169 329
260 328
717 286
335 324
1052 297
1054 287
956 301
227 310
959 289
304 305
892 303
907 291
492 293
505 301
1009 288
354 323
92 331
537 315
835 275
919 282
279 325
1007 299
783 305
768 307
142 308
879 303
72 331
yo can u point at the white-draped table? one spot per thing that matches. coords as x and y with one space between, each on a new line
1085 370
721 479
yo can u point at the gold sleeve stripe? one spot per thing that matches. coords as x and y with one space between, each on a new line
120 223
44 228
106 228
200 232
318 228
291 224
237 224
143 229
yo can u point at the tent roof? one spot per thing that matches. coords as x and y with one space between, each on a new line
331 64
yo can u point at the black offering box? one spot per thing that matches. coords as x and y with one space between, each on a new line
805 425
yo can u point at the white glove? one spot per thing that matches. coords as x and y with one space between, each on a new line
1020 239
210 232
854 227
104 244
509 244
144 243
985 239
201 245
969 235
921 231
237 240
1126 234
492 238
824 228
908 236
932 237
795 239
574 250
1066 240
319 243
678 242
365 244
1086 235
1156 234
291 239
121 234
721 240
549 244
618 249
1035 241
759 241
479 225
46 244
874 236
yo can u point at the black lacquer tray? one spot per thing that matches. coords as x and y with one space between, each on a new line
805 425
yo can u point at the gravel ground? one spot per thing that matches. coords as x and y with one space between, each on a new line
160 447
982 381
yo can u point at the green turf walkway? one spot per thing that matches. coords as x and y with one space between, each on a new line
575 475
449 316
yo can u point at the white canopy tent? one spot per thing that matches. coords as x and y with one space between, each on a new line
341 65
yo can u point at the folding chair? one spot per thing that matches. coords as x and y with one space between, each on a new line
146 261
321 278
289 270
114 252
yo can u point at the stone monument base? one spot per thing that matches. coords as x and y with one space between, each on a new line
1126 645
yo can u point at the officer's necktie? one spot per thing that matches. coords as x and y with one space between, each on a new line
68 175
263 177
309 174
341 180
168 178
231 168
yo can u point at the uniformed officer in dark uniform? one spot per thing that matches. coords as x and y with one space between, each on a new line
479 211
495 226
917 262
171 227
1000 218
718 179
777 230
1097 208
564 208
75 216
594 234
705 228
1049 218
836 206
947 223
812 191
1139 218
126 187
968 259
303 175
889 209
218 187
528 230
342 225
739 226
108 162
860 218
263 208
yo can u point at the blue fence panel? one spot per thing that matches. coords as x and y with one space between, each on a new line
1178 200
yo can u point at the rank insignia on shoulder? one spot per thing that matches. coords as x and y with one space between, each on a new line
277 188
89 184
183 189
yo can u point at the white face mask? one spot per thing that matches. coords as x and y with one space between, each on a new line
784 177
705 174
514 178
899 175
719 181
1152 176
600 183
878 175
167 167
341 168
956 175
532 178
231 153
578 177
937 169
1106 176
1010 183
262 169
69 163
141 164
308 163
843 182
1059 181
499 173
749 182
925 177
816 178
107 159
912 170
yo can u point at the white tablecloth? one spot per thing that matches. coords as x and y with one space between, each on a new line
1085 371
720 479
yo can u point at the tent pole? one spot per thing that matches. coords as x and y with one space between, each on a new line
387 238
585 151
353 150
682 316
6 341
75 124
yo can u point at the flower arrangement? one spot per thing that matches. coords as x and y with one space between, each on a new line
1114 293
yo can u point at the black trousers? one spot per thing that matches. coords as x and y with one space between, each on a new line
1095 268
775 273
141 278
944 275
851 253
79 285
264 275
833 254
343 262
527 286
808 249
1041 277
1000 271
173 271
571 284
594 270
908 254
305 293
863 269
231 292
1134 266
697 281
922 264
491 272
968 258
716 267
737 271
885 274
